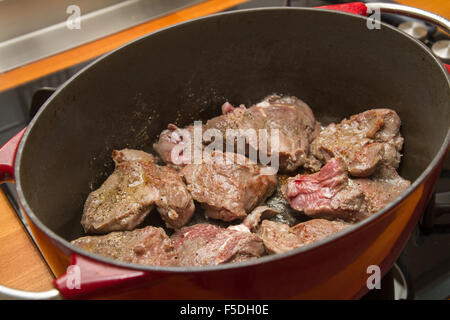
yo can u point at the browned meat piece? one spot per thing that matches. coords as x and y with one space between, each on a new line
132 190
123 201
149 245
251 222
236 118
175 203
291 116
278 202
365 141
176 146
228 187
174 142
331 194
326 194
383 187
297 127
131 155
279 237
206 244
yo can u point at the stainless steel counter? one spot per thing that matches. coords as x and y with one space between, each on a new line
34 29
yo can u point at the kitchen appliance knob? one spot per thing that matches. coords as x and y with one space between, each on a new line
417 30
441 49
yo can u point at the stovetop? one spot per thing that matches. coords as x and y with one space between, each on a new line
425 262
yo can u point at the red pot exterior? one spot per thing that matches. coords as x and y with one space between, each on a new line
334 270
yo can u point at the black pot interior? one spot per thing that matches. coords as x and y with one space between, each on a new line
332 61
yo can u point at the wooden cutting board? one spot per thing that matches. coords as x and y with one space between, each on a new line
21 265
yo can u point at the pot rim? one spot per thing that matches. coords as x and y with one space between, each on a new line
26 209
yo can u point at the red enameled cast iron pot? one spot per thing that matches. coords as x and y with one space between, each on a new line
330 59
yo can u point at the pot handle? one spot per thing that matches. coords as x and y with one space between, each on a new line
86 276
412 12
83 278
14 294
364 9
7 157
